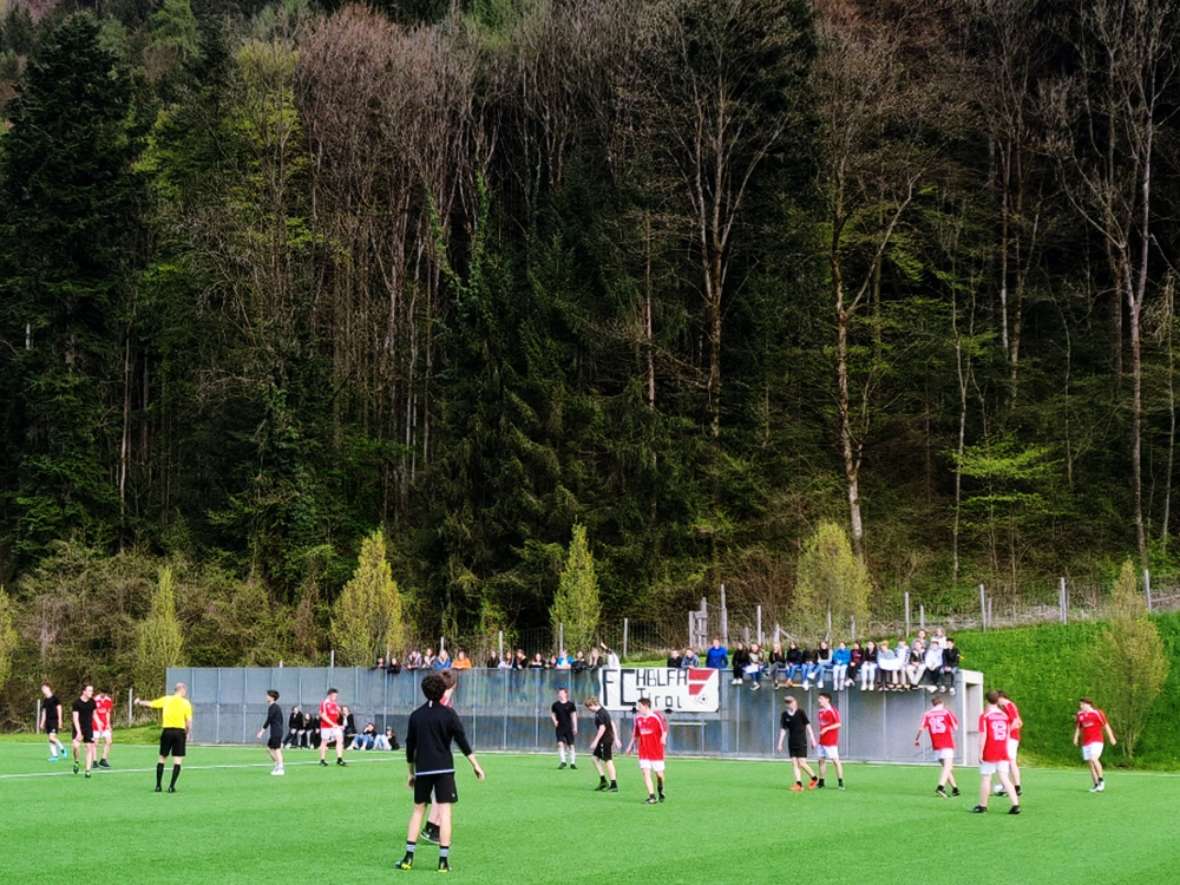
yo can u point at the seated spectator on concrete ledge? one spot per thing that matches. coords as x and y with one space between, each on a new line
776 664
673 660
755 668
950 666
537 662
689 659
868 668
794 664
812 671
393 667
717 656
823 656
564 661
841 658
741 657
917 664
414 660
380 665
461 662
442 661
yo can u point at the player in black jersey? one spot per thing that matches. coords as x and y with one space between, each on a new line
564 714
603 745
429 735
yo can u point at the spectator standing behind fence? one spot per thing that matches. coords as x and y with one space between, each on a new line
717 657
841 658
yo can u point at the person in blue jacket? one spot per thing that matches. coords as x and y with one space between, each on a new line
717 656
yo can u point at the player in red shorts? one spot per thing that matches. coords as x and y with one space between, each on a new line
651 734
331 727
1090 726
993 754
1015 723
104 705
941 724
829 740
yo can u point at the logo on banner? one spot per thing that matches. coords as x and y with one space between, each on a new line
695 690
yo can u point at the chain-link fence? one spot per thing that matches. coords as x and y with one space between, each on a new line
509 710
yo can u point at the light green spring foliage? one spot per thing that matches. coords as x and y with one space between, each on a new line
830 576
1130 663
8 637
159 640
367 618
576 606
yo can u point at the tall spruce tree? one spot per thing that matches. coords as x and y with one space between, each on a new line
575 610
66 238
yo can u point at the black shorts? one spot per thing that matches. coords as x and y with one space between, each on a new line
603 750
565 736
50 729
436 788
797 751
86 737
275 742
172 742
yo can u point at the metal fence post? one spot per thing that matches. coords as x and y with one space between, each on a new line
921 616
37 716
625 626
758 617
724 619
983 607
829 623
1061 598
245 685
332 659
130 704
500 643
217 713
560 636
907 613
1147 587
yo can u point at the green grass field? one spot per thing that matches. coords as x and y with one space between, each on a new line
725 821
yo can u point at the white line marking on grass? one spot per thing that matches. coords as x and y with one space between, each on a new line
107 771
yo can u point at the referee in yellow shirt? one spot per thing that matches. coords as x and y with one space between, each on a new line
177 722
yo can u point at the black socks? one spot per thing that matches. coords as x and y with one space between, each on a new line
159 774
175 775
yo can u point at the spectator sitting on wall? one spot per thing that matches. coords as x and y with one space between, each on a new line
505 663
493 661
673 659
950 666
794 664
856 661
579 665
461 662
776 662
414 660
612 661
812 671
717 656
428 659
903 658
888 665
393 667
689 659
519 661
754 668
367 739
442 661
594 661
294 727
841 658
741 657
917 664
868 668
823 657
537 663
380 665
933 664
565 661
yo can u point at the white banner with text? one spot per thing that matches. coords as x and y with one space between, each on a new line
692 690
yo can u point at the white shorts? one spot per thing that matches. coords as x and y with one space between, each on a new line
947 755
832 752
331 735
656 765
104 734
987 769
1092 752
1013 747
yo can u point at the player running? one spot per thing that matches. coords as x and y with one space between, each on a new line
1015 723
51 722
431 729
941 724
829 740
83 713
603 745
993 754
104 706
795 725
651 734
177 723
274 724
565 721
1090 727
331 728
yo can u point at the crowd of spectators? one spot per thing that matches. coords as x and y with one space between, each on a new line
929 662
415 660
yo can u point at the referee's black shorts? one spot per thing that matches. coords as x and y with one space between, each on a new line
565 736
172 742
442 786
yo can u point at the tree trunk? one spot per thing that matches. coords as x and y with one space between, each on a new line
125 442
647 317
1137 428
848 447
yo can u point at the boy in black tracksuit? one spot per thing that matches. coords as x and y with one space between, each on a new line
274 724
432 767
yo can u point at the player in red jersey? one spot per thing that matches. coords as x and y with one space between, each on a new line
331 728
1015 723
651 734
993 754
104 705
941 724
829 740
1090 726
